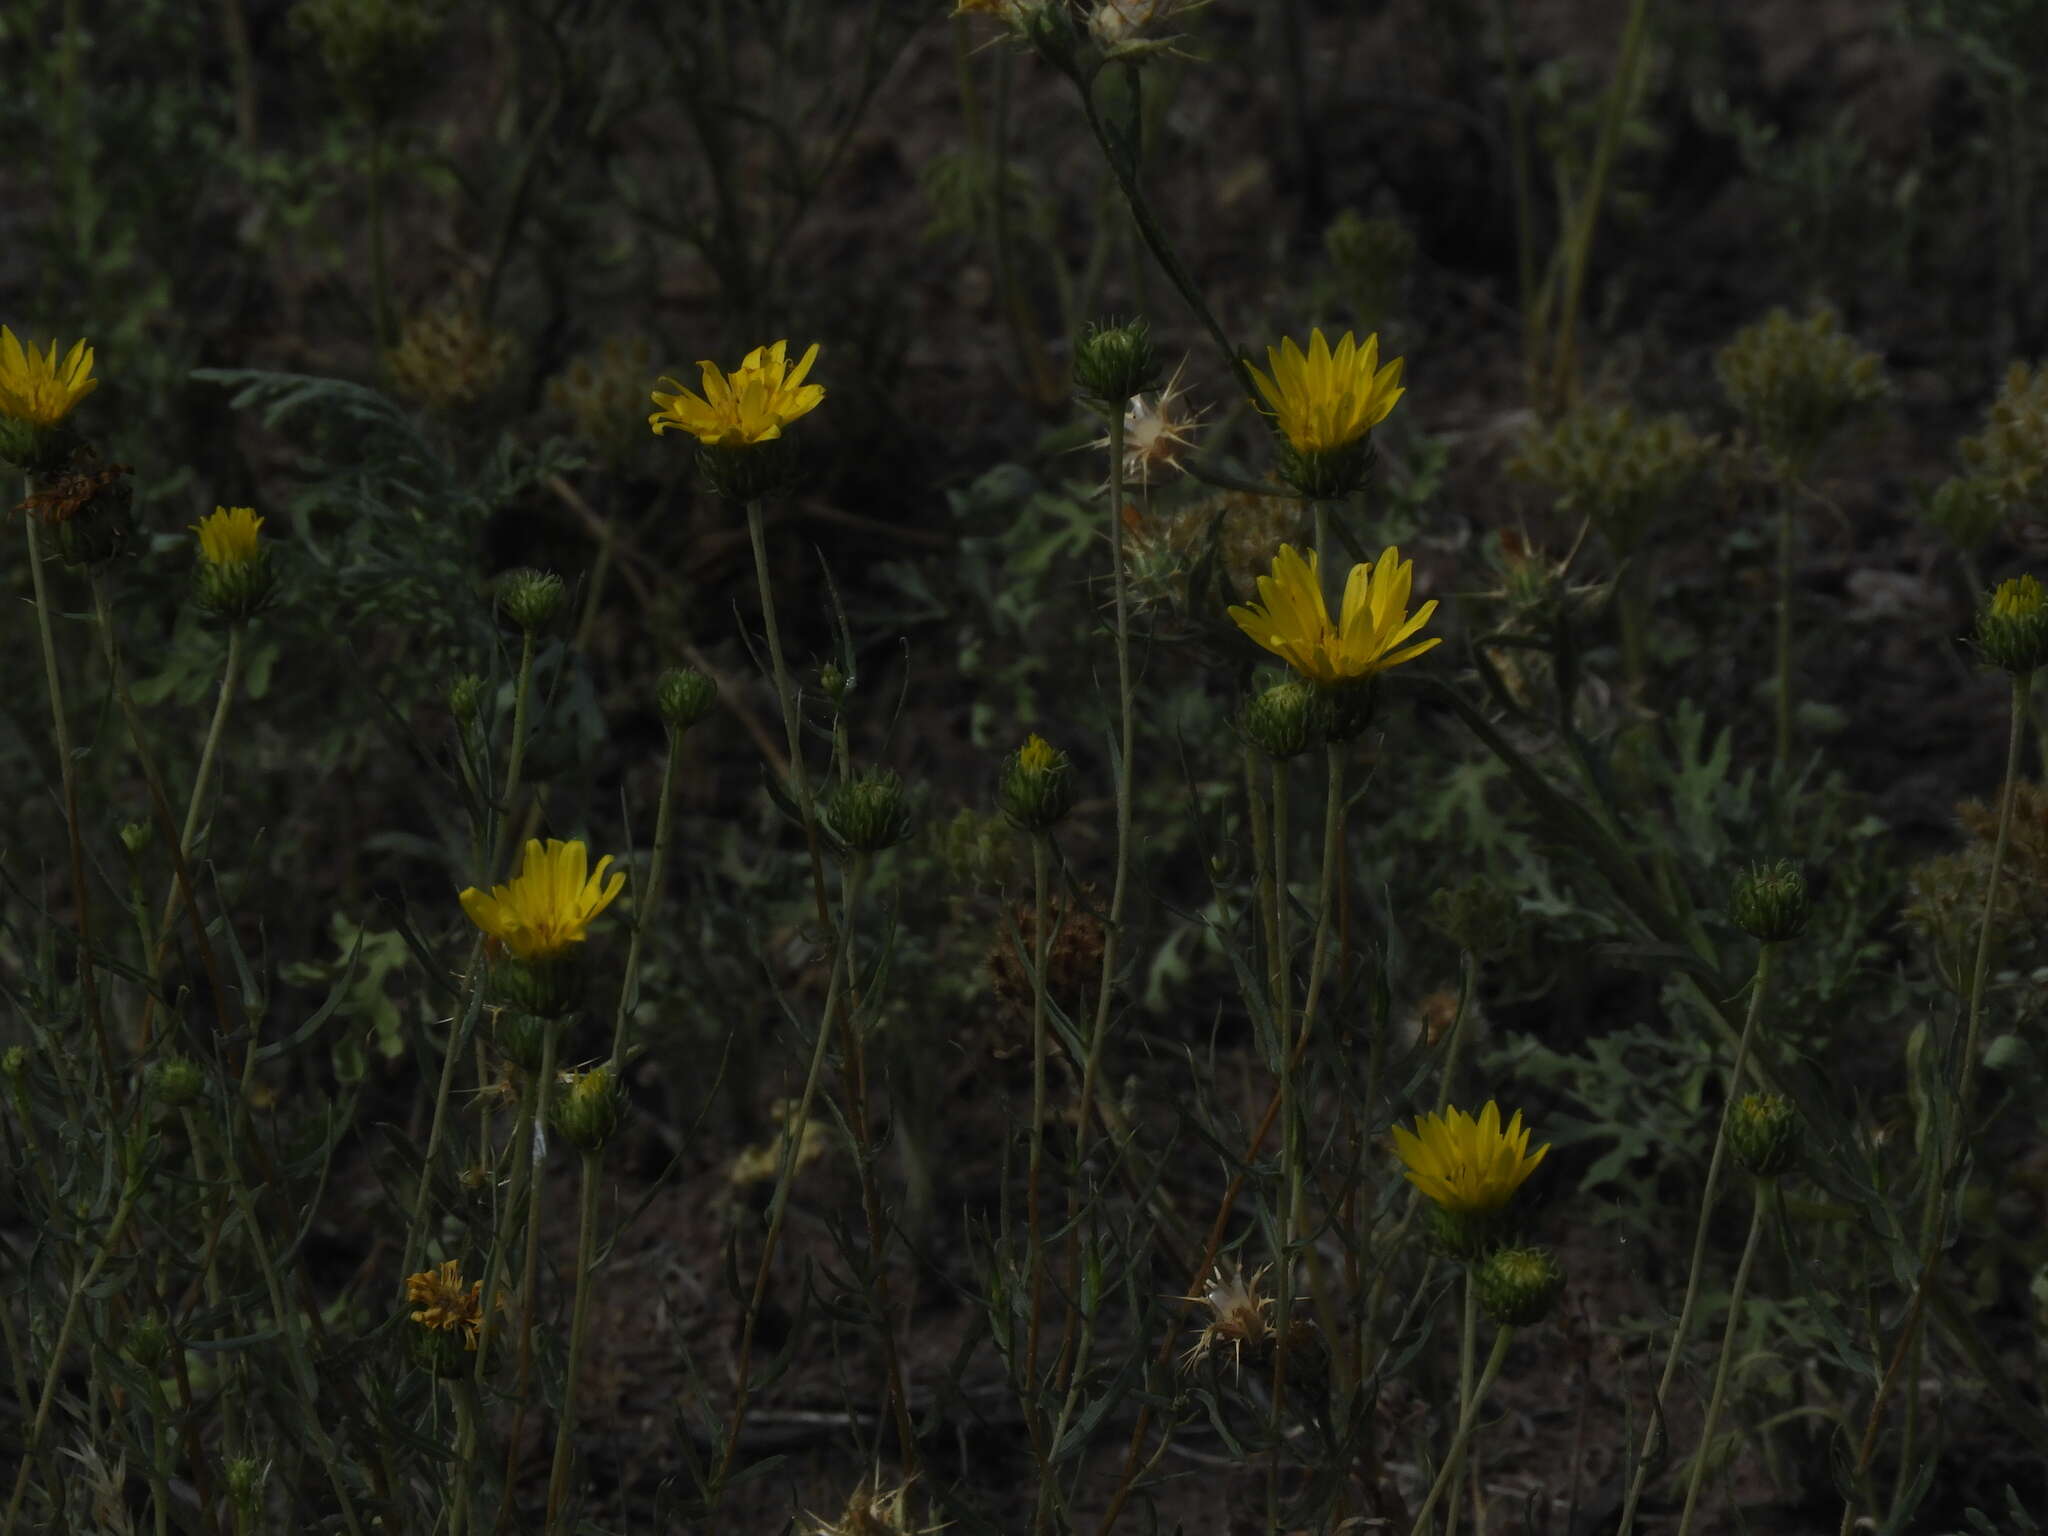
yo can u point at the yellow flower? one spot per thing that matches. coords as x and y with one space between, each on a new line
444 1304
1324 401
2019 598
549 903
1465 1164
35 387
1293 622
750 405
228 535
1037 755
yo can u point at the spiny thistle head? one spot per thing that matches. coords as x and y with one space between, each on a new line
1114 361
1519 1286
466 699
870 811
233 579
1238 1308
1763 1131
1324 403
448 361
1130 29
531 598
2012 626
245 1478
1602 462
684 696
89 503
177 1081
599 392
1770 902
585 1108
872 1510
1284 720
1479 915
1037 787
1157 426
2010 456
1373 628
1797 382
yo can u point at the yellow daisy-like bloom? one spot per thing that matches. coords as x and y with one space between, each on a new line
752 404
1293 622
1037 755
1326 400
1468 1165
444 1303
35 387
550 902
229 535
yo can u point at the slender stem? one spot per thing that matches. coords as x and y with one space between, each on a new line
1719 1393
529 1279
646 899
1468 981
67 771
459 1026
1653 1437
1041 907
792 720
462 1393
516 759
1468 1356
1579 246
490 1299
1467 1420
785 1180
230 682
586 1267
1782 756
62 1347
1980 969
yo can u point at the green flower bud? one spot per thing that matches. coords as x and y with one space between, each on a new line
1477 915
1114 362
833 682
234 590
1519 1286
136 836
465 699
1284 721
2012 626
1764 1132
684 696
14 1063
1467 1236
33 449
1770 902
148 1341
1037 788
440 1352
531 598
869 812
177 1081
1050 27
1347 708
586 1108
245 1483
746 472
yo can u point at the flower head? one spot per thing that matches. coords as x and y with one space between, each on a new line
1037 755
752 404
1468 1165
1293 622
1156 427
37 389
548 904
444 1303
229 536
1238 1311
1324 400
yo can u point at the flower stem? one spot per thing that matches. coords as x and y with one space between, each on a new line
1041 907
1468 1419
792 719
529 1280
646 899
67 771
1468 1355
516 759
586 1267
1715 1398
1653 1437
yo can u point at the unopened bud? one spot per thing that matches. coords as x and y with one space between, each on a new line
1519 1286
531 598
1037 788
869 812
1763 1130
1770 902
1114 362
684 696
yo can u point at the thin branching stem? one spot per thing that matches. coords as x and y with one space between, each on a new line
1721 1368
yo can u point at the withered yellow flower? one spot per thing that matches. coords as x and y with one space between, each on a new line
229 535
752 404
1293 622
1325 400
444 1303
548 904
37 389
1468 1165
